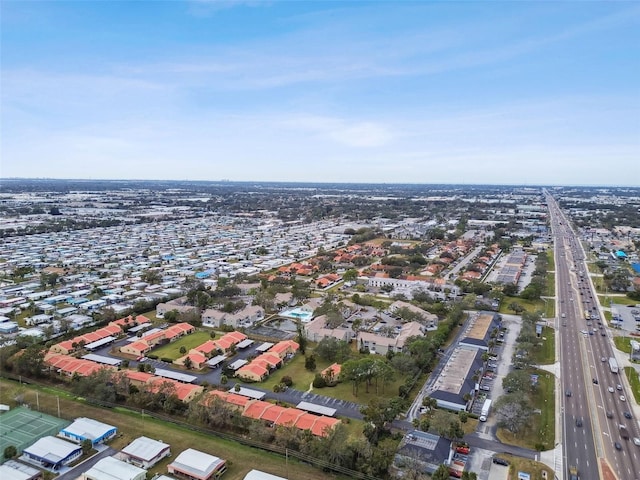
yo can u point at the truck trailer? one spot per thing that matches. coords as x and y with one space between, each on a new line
613 365
484 414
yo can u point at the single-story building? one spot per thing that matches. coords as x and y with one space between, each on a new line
52 453
195 465
14 470
88 429
259 475
145 452
110 468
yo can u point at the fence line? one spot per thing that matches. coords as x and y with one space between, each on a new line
285 452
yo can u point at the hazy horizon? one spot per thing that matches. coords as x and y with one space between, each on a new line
469 93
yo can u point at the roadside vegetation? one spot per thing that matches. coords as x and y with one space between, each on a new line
533 468
526 412
634 382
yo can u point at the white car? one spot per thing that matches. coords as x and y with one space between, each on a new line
636 441
623 398
619 387
611 390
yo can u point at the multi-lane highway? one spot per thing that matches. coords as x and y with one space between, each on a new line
591 413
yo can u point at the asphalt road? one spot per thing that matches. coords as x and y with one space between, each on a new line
581 366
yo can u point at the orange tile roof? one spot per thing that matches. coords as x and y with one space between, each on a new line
255 409
272 413
336 368
289 417
142 377
207 347
322 426
254 368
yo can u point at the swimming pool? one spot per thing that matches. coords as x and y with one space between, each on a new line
297 314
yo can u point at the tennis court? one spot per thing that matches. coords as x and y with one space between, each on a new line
21 427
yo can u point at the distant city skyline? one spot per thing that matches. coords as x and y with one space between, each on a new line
521 93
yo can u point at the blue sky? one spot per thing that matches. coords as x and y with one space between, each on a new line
419 92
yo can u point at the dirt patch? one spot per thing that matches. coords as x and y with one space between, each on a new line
607 472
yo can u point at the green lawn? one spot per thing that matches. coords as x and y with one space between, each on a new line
551 284
302 379
622 300
172 350
541 430
634 381
622 343
551 261
528 305
545 353
240 458
533 468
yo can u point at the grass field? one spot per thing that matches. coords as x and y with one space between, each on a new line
240 459
634 382
623 343
551 267
172 350
546 353
533 468
528 305
620 300
541 430
302 379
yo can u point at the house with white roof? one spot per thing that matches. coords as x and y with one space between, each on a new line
145 452
88 429
110 468
52 453
195 465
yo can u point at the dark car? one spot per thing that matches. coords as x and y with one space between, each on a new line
617 445
500 461
568 393
609 414
595 381
627 415
578 422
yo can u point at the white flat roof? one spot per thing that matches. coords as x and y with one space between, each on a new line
315 408
102 359
264 347
99 343
52 449
145 448
245 343
237 364
258 475
200 463
181 377
88 428
216 360
14 470
248 392
110 468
